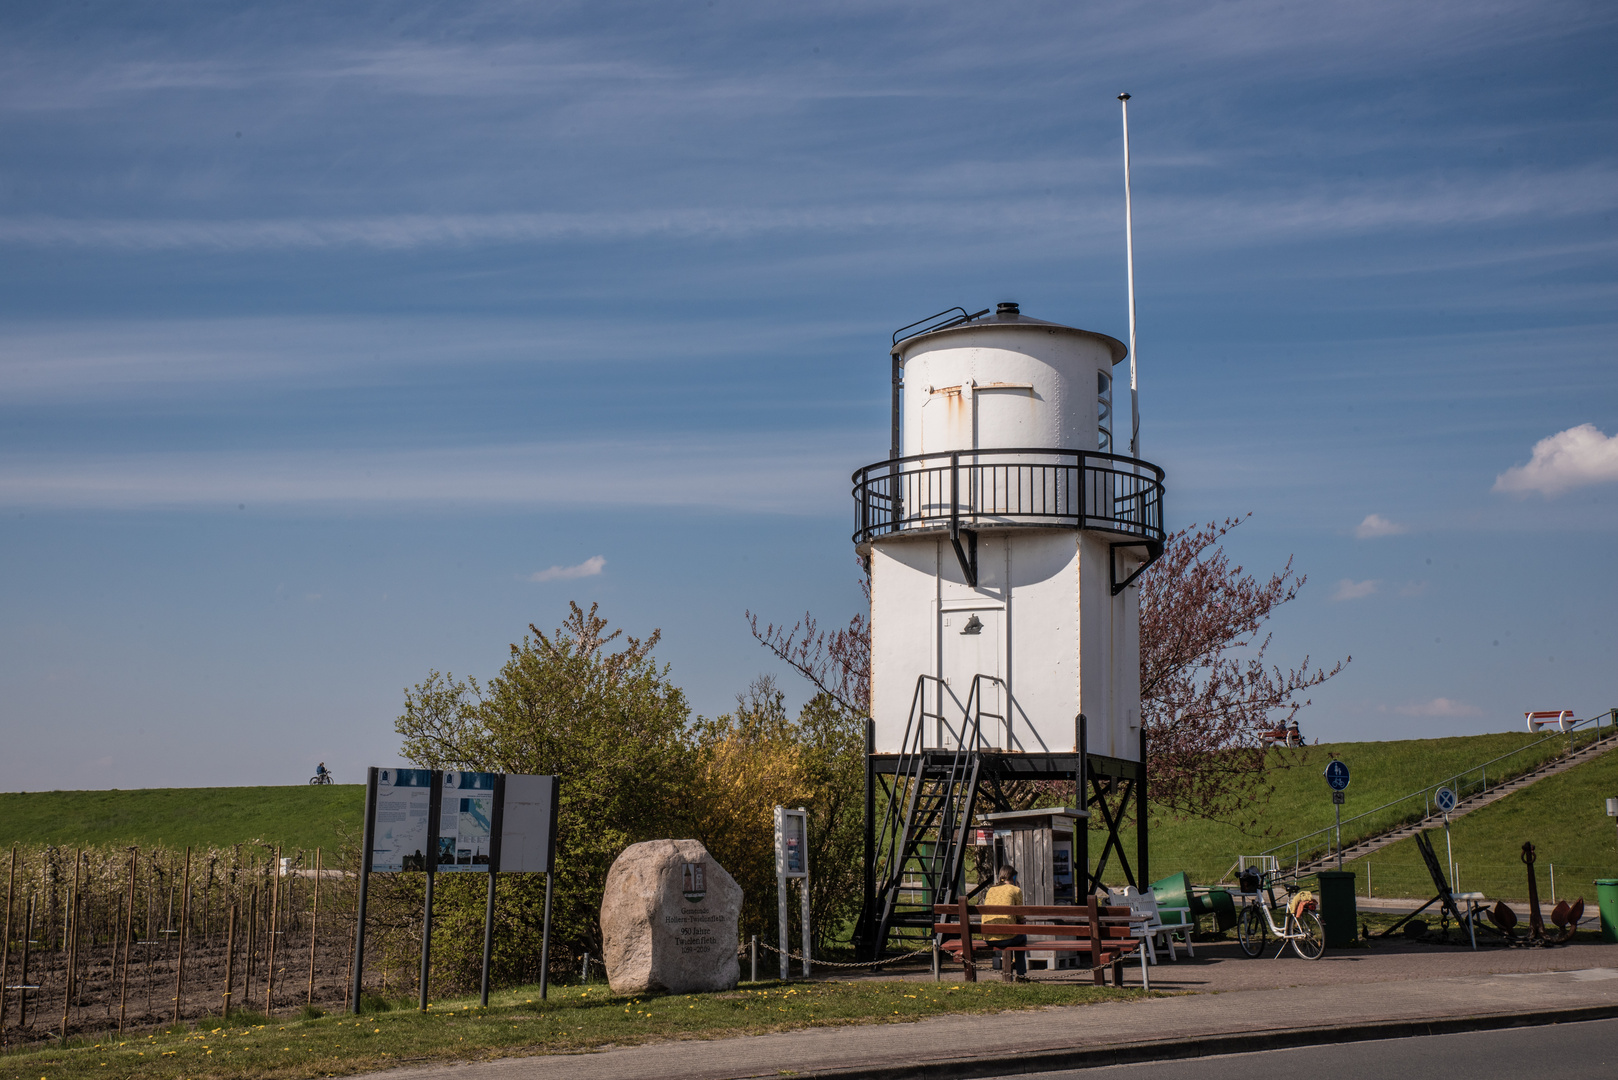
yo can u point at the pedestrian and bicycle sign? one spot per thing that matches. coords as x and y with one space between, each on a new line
1337 780
1445 798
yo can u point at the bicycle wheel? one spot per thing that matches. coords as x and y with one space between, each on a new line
1311 943
1250 930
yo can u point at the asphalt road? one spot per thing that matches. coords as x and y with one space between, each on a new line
1586 1051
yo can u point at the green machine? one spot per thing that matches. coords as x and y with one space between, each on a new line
1175 891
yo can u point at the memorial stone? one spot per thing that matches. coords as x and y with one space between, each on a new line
668 919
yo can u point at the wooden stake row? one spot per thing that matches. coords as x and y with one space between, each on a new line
75 918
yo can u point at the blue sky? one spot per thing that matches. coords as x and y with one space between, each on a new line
340 342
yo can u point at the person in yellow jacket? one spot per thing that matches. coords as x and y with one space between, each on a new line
1005 894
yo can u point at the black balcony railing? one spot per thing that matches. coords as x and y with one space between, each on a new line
975 489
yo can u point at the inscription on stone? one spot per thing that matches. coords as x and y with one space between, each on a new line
669 916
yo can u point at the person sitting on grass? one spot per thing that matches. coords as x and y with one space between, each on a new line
1005 894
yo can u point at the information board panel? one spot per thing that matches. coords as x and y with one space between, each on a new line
466 821
791 843
402 832
528 824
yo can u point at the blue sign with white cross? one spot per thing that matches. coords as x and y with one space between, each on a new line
1337 775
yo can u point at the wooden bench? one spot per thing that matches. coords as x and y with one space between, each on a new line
1101 931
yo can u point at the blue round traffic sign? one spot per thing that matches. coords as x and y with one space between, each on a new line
1445 798
1337 775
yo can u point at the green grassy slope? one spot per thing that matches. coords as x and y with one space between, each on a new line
1565 817
295 817
1382 771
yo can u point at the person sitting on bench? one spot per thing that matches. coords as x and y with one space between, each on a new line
1005 894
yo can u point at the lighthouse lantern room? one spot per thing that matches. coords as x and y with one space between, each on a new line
1002 535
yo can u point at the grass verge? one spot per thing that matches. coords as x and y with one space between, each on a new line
518 1023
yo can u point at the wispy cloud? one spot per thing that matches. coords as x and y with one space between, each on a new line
588 568
1376 525
1354 590
116 357
1244 218
725 474
1439 707
1577 457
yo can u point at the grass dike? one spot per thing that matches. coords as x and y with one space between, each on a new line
302 816
1381 772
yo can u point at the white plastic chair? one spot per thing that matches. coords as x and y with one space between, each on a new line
1150 927
1178 920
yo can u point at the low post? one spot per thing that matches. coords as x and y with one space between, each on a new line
275 930
73 944
230 961
185 920
314 922
1339 808
22 979
427 935
497 823
366 842
545 941
753 949
129 929
434 807
803 894
488 941
5 943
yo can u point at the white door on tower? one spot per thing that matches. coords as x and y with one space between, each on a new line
970 647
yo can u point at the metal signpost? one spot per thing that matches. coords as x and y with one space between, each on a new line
1446 800
453 821
792 861
1337 780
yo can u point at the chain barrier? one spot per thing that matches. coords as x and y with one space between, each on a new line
741 951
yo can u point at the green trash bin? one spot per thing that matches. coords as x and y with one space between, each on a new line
1607 899
1338 909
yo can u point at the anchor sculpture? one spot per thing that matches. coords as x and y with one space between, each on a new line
1566 916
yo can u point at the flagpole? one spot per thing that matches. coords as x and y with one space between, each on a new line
1129 249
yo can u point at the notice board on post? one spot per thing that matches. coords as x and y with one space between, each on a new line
528 824
400 829
478 821
466 821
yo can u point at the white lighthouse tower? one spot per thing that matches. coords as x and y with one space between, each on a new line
1002 536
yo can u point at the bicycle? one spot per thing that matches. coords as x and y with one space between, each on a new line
1301 929
321 776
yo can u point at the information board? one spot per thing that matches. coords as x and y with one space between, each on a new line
402 833
466 821
481 821
528 824
791 843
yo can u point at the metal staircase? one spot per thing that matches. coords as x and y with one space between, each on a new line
921 843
